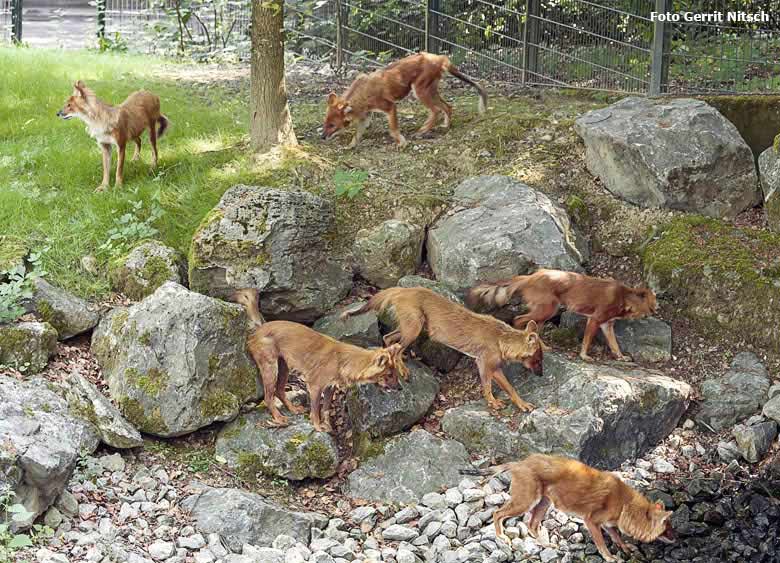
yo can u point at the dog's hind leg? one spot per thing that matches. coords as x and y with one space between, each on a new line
315 406
392 338
137 152
325 409
392 122
267 360
537 515
524 492
106 166
538 313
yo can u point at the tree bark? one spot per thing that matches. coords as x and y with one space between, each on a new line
270 121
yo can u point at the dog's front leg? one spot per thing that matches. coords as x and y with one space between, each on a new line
120 163
608 328
360 127
392 121
106 148
590 331
598 539
617 540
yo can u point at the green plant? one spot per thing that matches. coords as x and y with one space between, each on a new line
117 44
133 226
10 542
349 182
18 286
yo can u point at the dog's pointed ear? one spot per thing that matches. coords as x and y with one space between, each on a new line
80 88
531 326
533 339
382 359
332 97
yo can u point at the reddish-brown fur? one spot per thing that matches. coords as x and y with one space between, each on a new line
117 125
380 90
603 301
486 339
601 499
323 363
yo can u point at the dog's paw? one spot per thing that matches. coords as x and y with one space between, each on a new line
525 406
101 188
586 357
505 538
496 404
624 358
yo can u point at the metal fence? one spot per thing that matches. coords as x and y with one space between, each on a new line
609 45
6 25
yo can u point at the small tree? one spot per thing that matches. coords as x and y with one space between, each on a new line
270 121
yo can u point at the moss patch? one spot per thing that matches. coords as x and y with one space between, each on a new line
218 404
315 459
152 382
12 252
134 412
726 278
118 321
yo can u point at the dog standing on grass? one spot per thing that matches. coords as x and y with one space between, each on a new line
323 363
117 125
603 301
380 90
600 498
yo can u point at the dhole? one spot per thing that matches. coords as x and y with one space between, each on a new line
380 90
117 125
601 499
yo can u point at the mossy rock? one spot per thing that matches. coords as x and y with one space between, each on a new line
293 452
145 268
68 314
176 361
27 346
725 279
13 252
389 251
769 172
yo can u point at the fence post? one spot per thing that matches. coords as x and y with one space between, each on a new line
16 21
432 8
531 39
339 35
101 18
659 60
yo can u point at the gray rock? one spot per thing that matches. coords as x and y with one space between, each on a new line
360 330
27 346
431 353
389 251
736 395
754 441
275 241
772 408
40 443
641 150
602 414
246 518
87 402
294 452
68 314
161 550
264 554
769 172
376 412
645 340
397 532
145 268
504 228
412 464
176 361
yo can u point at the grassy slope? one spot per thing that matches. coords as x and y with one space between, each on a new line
49 168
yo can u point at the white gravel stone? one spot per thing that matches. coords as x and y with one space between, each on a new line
161 550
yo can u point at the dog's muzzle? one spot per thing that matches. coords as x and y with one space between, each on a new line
61 114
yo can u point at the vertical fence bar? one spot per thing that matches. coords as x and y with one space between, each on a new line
531 39
432 8
16 21
101 18
659 61
339 36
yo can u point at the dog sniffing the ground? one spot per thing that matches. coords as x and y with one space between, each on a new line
117 125
600 498
486 339
323 363
603 301
380 90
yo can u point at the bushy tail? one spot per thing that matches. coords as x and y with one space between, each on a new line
471 82
487 471
495 294
377 303
162 125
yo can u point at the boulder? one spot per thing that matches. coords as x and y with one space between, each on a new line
68 314
411 465
725 279
389 251
27 346
602 414
86 402
771 408
273 240
242 518
754 441
645 340
736 395
501 228
360 330
375 412
145 268
769 172
641 150
294 452
176 361
432 353
40 443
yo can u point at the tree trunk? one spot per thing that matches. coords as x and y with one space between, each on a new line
270 123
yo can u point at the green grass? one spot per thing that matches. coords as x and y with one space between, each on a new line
49 168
